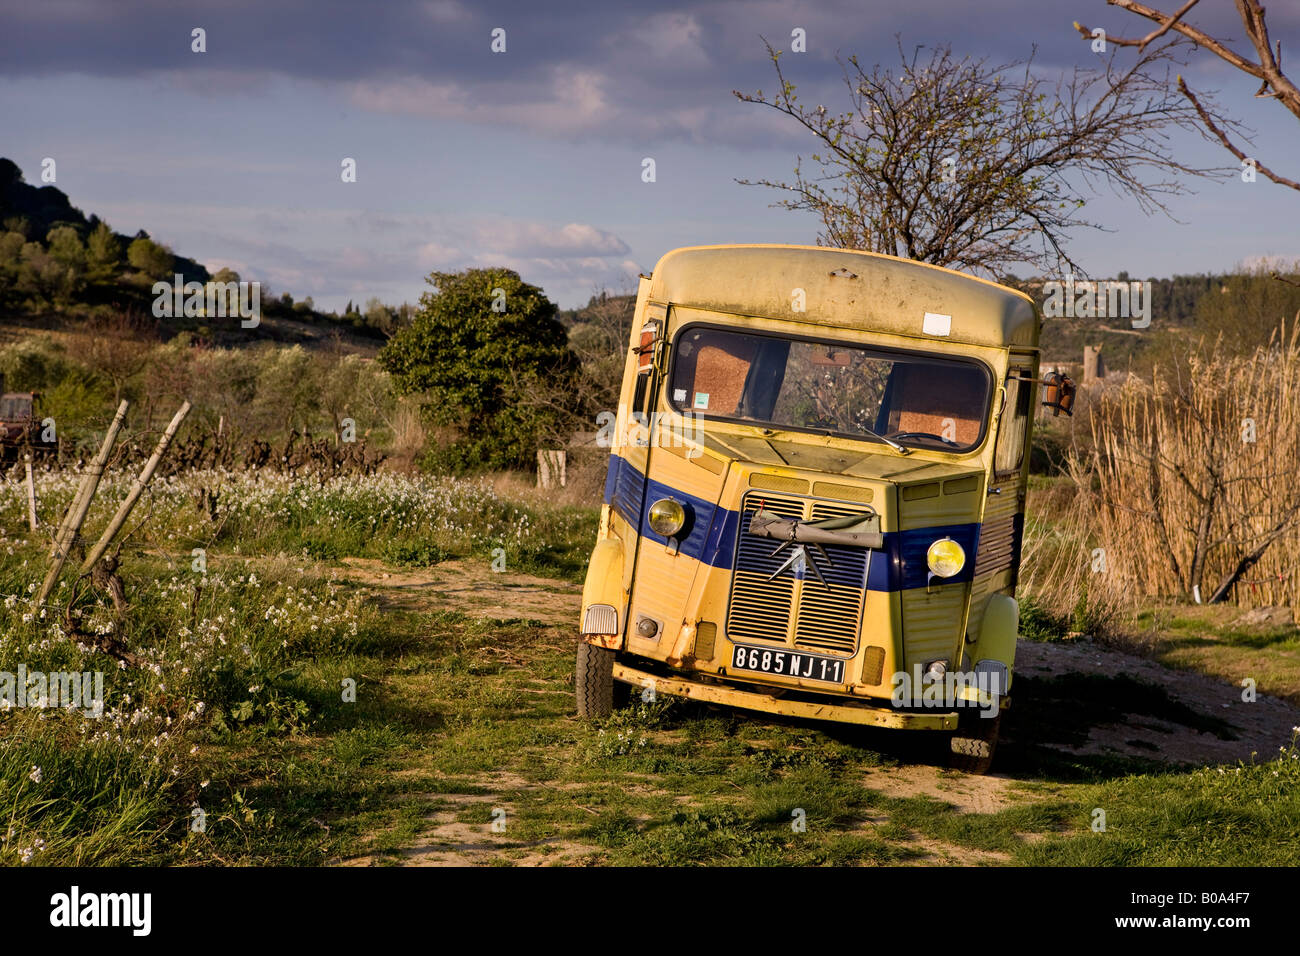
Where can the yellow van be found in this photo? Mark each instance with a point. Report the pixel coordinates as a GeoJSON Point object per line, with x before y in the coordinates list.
{"type": "Point", "coordinates": [816, 491]}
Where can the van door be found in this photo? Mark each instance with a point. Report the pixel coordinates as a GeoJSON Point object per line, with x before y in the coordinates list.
{"type": "Point", "coordinates": [631, 462]}
{"type": "Point", "coordinates": [997, 558]}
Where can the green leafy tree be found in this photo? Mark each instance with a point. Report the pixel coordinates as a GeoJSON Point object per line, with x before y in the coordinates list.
{"type": "Point", "coordinates": [67, 252]}
{"type": "Point", "coordinates": [11, 247]}
{"type": "Point", "coordinates": [150, 258]}
{"type": "Point", "coordinates": [42, 277]}
{"type": "Point", "coordinates": [379, 316]}
{"type": "Point", "coordinates": [103, 255]}
{"type": "Point", "coordinates": [65, 248]}
{"type": "Point", "coordinates": [19, 224]}
{"type": "Point", "coordinates": [502, 378]}
{"type": "Point", "coordinates": [1250, 307]}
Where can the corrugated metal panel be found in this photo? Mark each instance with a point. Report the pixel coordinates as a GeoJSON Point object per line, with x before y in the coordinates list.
{"type": "Point", "coordinates": [996, 546]}
{"type": "Point", "coordinates": [787, 609]}
{"type": "Point", "coordinates": [996, 553]}
{"type": "Point", "coordinates": [761, 609]}
{"type": "Point", "coordinates": [830, 619]}
{"type": "Point", "coordinates": [932, 622]}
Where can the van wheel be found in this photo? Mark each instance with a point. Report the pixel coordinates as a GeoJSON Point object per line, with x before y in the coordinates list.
{"type": "Point", "coordinates": [593, 682]}
{"type": "Point", "coordinates": [972, 745]}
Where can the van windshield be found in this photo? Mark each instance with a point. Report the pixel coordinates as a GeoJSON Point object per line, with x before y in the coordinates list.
{"type": "Point", "coordinates": [909, 398]}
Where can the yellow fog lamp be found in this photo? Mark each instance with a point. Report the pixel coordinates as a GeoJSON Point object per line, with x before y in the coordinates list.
{"type": "Point", "coordinates": [946, 557]}
{"type": "Point", "coordinates": [667, 517]}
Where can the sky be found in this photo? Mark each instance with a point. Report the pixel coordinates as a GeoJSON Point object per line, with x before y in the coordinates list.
{"type": "Point", "coordinates": [532, 158]}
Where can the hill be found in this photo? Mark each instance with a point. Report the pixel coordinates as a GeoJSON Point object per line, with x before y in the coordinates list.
{"type": "Point", "coordinates": [60, 267]}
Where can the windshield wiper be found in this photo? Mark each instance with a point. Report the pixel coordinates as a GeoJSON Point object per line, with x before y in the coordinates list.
{"type": "Point", "coordinates": [832, 433]}
{"type": "Point", "coordinates": [835, 433]}
{"type": "Point", "coordinates": [888, 441]}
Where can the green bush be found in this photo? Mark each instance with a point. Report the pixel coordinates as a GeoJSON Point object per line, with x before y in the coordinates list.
{"type": "Point", "coordinates": [493, 365]}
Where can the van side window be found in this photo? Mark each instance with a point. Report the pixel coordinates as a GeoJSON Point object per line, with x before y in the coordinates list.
{"type": "Point", "coordinates": [639, 398]}
{"type": "Point", "coordinates": [1010, 452]}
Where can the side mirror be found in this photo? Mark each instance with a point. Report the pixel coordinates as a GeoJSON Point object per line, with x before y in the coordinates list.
{"type": "Point", "coordinates": [646, 352]}
{"type": "Point", "coordinates": [1058, 393]}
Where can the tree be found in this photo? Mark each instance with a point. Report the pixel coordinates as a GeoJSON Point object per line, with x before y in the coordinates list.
{"type": "Point", "coordinates": [11, 247]}
{"type": "Point", "coordinates": [599, 336]}
{"type": "Point", "coordinates": [1267, 67]}
{"type": "Point", "coordinates": [152, 260]}
{"type": "Point", "coordinates": [116, 347]}
{"type": "Point", "coordinates": [19, 224]}
{"type": "Point", "coordinates": [379, 316]}
{"type": "Point", "coordinates": [976, 166]}
{"type": "Point", "coordinates": [481, 368]}
{"type": "Point", "coordinates": [1247, 308]}
{"type": "Point", "coordinates": [288, 391]}
{"type": "Point", "coordinates": [103, 254]}
{"type": "Point", "coordinates": [42, 277]}
{"type": "Point", "coordinates": [65, 248]}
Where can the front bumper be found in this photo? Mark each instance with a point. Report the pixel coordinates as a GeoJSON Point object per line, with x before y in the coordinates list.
{"type": "Point", "coordinates": [848, 712]}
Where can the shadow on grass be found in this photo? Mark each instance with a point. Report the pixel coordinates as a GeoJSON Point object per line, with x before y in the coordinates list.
{"type": "Point", "coordinates": [1052, 718]}
{"type": "Point", "coordinates": [1043, 733]}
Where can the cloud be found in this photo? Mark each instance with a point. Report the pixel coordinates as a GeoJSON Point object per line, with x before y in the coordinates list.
{"type": "Point", "coordinates": [675, 39]}
{"type": "Point", "coordinates": [539, 240]}
{"type": "Point", "coordinates": [612, 72]}
{"type": "Point", "coordinates": [572, 100]}
{"type": "Point", "coordinates": [335, 254]}
{"type": "Point", "coordinates": [445, 11]}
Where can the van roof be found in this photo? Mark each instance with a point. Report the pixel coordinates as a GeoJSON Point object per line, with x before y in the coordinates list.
{"type": "Point", "coordinates": [845, 288]}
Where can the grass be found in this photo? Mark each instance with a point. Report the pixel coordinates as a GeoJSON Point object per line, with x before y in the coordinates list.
{"type": "Point", "coordinates": [1209, 639]}
{"type": "Point", "coordinates": [406, 522]}
{"type": "Point", "coordinates": [312, 721]}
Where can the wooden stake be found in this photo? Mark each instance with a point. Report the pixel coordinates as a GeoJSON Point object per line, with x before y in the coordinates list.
{"type": "Point", "coordinates": [137, 489]}
{"type": "Point", "coordinates": [31, 495]}
{"type": "Point", "coordinates": [80, 505]}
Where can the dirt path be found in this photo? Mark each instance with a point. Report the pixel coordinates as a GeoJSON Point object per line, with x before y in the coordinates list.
{"type": "Point", "coordinates": [1238, 729]}
{"type": "Point", "coordinates": [1260, 727]}
{"type": "Point", "coordinates": [471, 588]}
{"type": "Point", "coordinates": [449, 841]}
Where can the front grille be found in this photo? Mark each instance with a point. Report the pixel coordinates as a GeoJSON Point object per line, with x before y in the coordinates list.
{"type": "Point", "coordinates": [786, 610]}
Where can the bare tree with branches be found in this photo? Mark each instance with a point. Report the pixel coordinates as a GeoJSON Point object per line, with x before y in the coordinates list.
{"type": "Point", "coordinates": [1266, 67]}
{"type": "Point", "coordinates": [977, 166]}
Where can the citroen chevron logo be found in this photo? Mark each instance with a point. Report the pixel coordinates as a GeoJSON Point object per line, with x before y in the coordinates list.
{"type": "Point", "coordinates": [801, 562]}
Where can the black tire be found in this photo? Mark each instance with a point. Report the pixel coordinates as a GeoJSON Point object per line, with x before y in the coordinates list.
{"type": "Point", "coordinates": [974, 742]}
{"type": "Point", "coordinates": [593, 681]}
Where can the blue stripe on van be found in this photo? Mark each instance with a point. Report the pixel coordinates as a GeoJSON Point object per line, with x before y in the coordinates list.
{"type": "Point", "coordinates": [899, 565]}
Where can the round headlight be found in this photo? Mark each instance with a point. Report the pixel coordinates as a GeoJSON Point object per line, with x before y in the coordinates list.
{"type": "Point", "coordinates": [945, 557]}
{"type": "Point", "coordinates": [667, 517]}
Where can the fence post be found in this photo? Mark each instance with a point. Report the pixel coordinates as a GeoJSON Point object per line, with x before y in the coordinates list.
{"type": "Point", "coordinates": [80, 505]}
{"type": "Point", "coordinates": [550, 468]}
{"type": "Point", "coordinates": [31, 493]}
{"type": "Point", "coordinates": [1094, 369]}
{"type": "Point", "coordinates": [137, 489]}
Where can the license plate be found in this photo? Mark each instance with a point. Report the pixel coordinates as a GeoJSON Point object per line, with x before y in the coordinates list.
{"type": "Point", "coordinates": [765, 660]}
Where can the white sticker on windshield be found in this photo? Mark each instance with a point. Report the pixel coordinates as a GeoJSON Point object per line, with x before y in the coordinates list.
{"type": "Point", "coordinates": [679, 395]}
{"type": "Point", "coordinates": [701, 399]}
{"type": "Point", "coordinates": [936, 323]}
